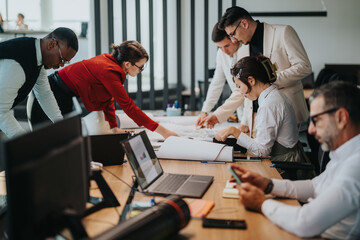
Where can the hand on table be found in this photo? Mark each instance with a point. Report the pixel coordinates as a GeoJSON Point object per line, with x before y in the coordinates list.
{"type": "Point", "coordinates": [200, 121]}
{"type": "Point", "coordinates": [243, 128]}
{"type": "Point", "coordinates": [210, 121]}
{"type": "Point", "coordinates": [222, 134]}
{"type": "Point", "coordinates": [165, 132]}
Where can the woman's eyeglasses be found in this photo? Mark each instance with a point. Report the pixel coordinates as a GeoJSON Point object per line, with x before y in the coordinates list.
{"type": "Point", "coordinates": [140, 68]}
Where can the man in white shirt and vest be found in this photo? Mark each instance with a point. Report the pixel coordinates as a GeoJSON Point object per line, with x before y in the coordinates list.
{"type": "Point", "coordinates": [332, 199]}
{"type": "Point", "coordinates": [22, 69]}
{"type": "Point", "coordinates": [226, 57]}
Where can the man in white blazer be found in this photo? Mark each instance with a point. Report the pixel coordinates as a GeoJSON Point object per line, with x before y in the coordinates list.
{"type": "Point", "coordinates": [282, 45]}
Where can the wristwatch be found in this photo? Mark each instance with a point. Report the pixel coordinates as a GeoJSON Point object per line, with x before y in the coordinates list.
{"type": "Point", "coordinates": [269, 187]}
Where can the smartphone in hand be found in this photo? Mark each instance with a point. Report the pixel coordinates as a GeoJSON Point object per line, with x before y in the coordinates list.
{"type": "Point", "coordinates": [234, 175]}
{"type": "Point", "coordinates": [223, 223]}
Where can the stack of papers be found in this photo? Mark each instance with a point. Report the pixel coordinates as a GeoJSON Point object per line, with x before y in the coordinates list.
{"type": "Point", "coordinates": [230, 190]}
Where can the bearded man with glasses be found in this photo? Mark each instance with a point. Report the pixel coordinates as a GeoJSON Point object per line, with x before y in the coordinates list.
{"type": "Point", "coordinates": [23, 64]}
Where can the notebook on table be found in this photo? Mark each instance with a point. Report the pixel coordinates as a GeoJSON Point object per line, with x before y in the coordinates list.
{"type": "Point", "coordinates": [151, 177]}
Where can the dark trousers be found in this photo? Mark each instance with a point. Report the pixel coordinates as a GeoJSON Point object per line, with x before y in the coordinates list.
{"type": "Point", "coordinates": [63, 97]}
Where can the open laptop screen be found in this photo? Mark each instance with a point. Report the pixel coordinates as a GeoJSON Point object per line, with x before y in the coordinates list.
{"type": "Point", "coordinates": [143, 160]}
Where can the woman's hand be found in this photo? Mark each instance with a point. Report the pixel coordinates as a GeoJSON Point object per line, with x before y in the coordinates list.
{"type": "Point", "coordinates": [222, 134]}
{"type": "Point", "coordinates": [165, 132]}
{"type": "Point", "coordinates": [243, 128]}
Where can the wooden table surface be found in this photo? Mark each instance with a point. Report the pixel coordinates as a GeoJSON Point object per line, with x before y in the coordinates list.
{"type": "Point", "coordinates": [258, 226]}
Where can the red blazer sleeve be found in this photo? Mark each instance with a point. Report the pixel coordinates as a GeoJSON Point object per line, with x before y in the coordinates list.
{"type": "Point", "coordinates": [109, 113]}
{"type": "Point", "coordinates": [117, 90]}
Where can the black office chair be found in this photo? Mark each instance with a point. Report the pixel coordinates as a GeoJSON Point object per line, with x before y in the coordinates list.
{"type": "Point", "coordinates": [291, 169]}
{"type": "Point", "coordinates": [308, 82]}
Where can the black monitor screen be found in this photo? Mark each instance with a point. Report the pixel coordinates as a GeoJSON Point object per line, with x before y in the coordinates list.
{"type": "Point", "coordinates": [46, 174]}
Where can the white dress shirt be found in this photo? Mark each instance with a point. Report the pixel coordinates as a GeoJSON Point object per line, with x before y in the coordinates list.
{"type": "Point", "coordinates": [12, 78]}
{"type": "Point", "coordinates": [275, 121]}
{"type": "Point", "coordinates": [222, 73]}
{"type": "Point", "coordinates": [333, 208]}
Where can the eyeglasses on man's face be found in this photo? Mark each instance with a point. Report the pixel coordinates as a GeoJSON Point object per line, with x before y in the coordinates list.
{"type": "Point", "coordinates": [232, 35]}
{"type": "Point", "coordinates": [62, 60]}
{"type": "Point", "coordinates": [313, 118]}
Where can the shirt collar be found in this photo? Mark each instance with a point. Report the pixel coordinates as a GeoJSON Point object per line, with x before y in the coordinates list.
{"type": "Point", "coordinates": [265, 93]}
{"type": "Point", "coordinates": [258, 36]}
{"type": "Point", "coordinates": [38, 52]}
{"type": "Point", "coordinates": [345, 150]}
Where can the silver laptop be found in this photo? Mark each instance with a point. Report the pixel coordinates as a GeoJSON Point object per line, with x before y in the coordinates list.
{"type": "Point", "coordinates": [151, 177]}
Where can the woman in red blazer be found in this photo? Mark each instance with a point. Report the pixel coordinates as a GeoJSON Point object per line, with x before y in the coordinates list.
{"type": "Point", "coordinates": [99, 83]}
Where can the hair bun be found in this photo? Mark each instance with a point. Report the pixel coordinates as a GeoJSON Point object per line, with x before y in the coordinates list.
{"type": "Point", "coordinates": [115, 47]}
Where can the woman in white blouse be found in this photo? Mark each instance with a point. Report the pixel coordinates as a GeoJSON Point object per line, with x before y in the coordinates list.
{"type": "Point", "coordinates": [277, 133]}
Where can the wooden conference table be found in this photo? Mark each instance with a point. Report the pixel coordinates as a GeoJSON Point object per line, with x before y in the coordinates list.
{"type": "Point", "coordinates": [258, 226]}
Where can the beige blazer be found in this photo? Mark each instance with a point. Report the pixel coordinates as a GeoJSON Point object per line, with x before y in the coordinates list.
{"type": "Point", "coordinates": [283, 46]}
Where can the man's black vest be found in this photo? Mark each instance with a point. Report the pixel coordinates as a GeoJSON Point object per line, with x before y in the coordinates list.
{"type": "Point", "coordinates": [23, 51]}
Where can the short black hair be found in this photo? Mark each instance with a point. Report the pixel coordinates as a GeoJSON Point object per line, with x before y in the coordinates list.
{"type": "Point", "coordinates": [341, 94]}
{"type": "Point", "coordinates": [233, 14]}
{"type": "Point", "coordinates": [65, 35]}
{"type": "Point", "coordinates": [218, 34]}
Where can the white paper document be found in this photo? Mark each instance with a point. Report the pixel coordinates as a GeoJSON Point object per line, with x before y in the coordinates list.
{"type": "Point", "coordinates": [96, 124]}
{"type": "Point", "coordinates": [191, 149]}
{"type": "Point", "coordinates": [126, 121]}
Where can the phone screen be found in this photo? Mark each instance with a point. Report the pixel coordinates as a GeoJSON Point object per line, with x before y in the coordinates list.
{"type": "Point", "coordinates": [223, 223]}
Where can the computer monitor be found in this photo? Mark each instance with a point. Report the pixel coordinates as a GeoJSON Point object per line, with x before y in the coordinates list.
{"type": "Point", "coordinates": [46, 175]}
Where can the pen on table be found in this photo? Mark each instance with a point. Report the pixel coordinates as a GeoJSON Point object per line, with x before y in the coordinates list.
{"type": "Point", "coordinates": [212, 162]}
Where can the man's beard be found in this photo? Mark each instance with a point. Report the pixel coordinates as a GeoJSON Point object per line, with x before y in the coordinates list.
{"type": "Point", "coordinates": [328, 139]}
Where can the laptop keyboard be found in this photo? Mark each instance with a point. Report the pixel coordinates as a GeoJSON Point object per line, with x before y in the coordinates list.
{"type": "Point", "coordinates": [171, 183]}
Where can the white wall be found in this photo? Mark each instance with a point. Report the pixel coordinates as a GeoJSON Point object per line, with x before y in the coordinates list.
{"type": "Point", "coordinates": [331, 39]}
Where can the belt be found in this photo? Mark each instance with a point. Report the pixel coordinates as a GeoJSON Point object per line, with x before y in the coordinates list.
{"type": "Point", "coordinates": [57, 79]}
